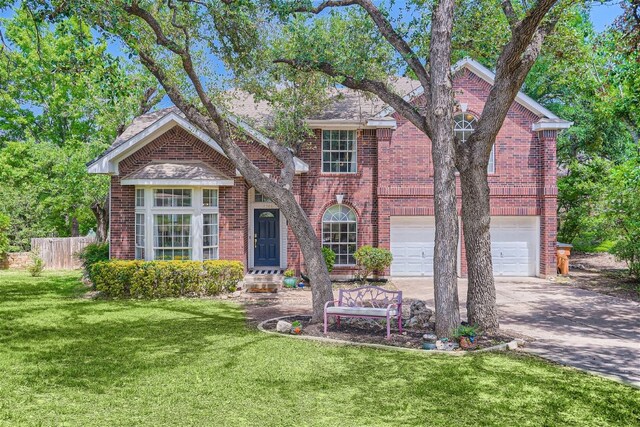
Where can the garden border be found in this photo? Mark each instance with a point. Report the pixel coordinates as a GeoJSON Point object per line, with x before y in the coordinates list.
{"type": "Point", "coordinates": [500, 347]}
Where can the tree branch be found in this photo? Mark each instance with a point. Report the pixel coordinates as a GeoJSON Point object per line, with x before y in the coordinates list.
{"type": "Point", "coordinates": [284, 156]}
{"type": "Point", "coordinates": [405, 108]}
{"type": "Point", "coordinates": [387, 31]}
{"type": "Point", "coordinates": [509, 13]}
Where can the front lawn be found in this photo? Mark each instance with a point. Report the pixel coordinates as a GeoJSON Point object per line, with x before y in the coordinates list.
{"type": "Point", "coordinates": [73, 361]}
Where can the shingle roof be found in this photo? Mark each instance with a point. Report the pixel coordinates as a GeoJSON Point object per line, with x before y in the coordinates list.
{"type": "Point", "coordinates": [347, 105]}
{"type": "Point", "coordinates": [192, 170]}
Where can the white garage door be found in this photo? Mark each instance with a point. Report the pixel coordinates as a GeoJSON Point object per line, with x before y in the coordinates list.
{"type": "Point", "coordinates": [515, 245]}
{"type": "Point", "coordinates": [412, 244]}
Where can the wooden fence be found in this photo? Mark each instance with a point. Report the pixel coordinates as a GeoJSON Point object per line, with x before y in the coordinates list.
{"type": "Point", "coordinates": [60, 252]}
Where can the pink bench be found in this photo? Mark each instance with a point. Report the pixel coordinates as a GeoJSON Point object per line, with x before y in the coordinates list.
{"type": "Point", "coordinates": [366, 302]}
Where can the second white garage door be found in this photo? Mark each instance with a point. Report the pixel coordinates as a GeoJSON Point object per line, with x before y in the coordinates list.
{"type": "Point", "coordinates": [515, 245]}
{"type": "Point", "coordinates": [412, 244]}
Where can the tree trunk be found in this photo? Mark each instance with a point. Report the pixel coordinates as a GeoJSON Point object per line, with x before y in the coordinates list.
{"type": "Point", "coordinates": [443, 153]}
{"type": "Point", "coordinates": [297, 219]}
{"type": "Point", "coordinates": [481, 294]}
{"type": "Point", "coordinates": [75, 227]}
{"type": "Point", "coordinates": [101, 212]}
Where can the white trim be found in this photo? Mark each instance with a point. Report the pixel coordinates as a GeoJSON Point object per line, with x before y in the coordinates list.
{"type": "Point", "coordinates": [196, 210]}
{"type": "Point", "coordinates": [550, 125]}
{"type": "Point", "coordinates": [108, 164]}
{"type": "Point", "coordinates": [251, 207]}
{"type": "Point", "coordinates": [487, 75]}
{"type": "Point", "coordinates": [343, 124]}
{"type": "Point", "coordinates": [158, 182]}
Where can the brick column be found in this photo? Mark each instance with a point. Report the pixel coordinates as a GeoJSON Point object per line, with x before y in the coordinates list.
{"type": "Point", "coordinates": [383, 235]}
{"type": "Point", "coordinates": [548, 203]}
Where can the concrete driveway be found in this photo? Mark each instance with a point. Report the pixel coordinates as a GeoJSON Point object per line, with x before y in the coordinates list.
{"type": "Point", "coordinates": [575, 327]}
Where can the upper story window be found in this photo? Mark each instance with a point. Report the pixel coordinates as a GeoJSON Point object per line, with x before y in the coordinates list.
{"type": "Point", "coordinates": [340, 233]}
{"type": "Point", "coordinates": [339, 152]}
{"type": "Point", "coordinates": [464, 125]}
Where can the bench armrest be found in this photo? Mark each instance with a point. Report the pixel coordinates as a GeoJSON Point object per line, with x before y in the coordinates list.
{"type": "Point", "coordinates": [394, 305]}
{"type": "Point", "coordinates": [334, 302]}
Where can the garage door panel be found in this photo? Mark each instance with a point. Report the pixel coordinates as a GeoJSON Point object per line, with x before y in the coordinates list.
{"type": "Point", "coordinates": [514, 245]}
{"type": "Point", "coordinates": [412, 241]}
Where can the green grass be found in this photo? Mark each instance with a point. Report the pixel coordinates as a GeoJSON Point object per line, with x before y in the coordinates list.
{"type": "Point", "coordinates": [593, 247]}
{"type": "Point", "coordinates": [65, 360]}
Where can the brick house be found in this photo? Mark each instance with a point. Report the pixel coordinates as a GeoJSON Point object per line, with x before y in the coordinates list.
{"type": "Point", "coordinates": [366, 178]}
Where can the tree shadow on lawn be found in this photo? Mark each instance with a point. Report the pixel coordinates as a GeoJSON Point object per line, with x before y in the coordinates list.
{"type": "Point", "coordinates": [98, 346]}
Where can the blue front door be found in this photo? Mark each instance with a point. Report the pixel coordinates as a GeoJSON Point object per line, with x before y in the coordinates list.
{"type": "Point", "coordinates": [266, 239]}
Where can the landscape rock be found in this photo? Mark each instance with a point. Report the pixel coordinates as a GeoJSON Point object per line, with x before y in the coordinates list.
{"type": "Point", "coordinates": [419, 315]}
{"type": "Point", "coordinates": [430, 337]}
{"type": "Point", "coordinates": [283, 327]}
{"type": "Point", "coordinates": [512, 345]}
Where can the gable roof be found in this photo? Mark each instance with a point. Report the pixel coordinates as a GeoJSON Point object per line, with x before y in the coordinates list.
{"type": "Point", "coordinates": [349, 108]}
{"type": "Point", "coordinates": [548, 120]}
{"type": "Point", "coordinates": [145, 128]}
{"type": "Point", "coordinates": [178, 173]}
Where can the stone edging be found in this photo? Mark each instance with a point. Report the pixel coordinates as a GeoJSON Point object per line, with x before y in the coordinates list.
{"type": "Point", "coordinates": [500, 347]}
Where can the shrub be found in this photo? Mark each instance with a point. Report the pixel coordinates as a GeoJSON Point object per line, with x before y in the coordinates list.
{"type": "Point", "coordinates": [466, 331]}
{"type": "Point", "coordinates": [329, 258]}
{"type": "Point", "coordinates": [37, 264]}
{"type": "Point", "coordinates": [161, 279]}
{"type": "Point", "coordinates": [371, 260]}
{"type": "Point", "coordinates": [628, 250]}
{"type": "Point", "coordinates": [90, 254]}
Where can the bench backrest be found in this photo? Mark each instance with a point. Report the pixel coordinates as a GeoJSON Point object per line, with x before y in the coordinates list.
{"type": "Point", "coordinates": [369, 296]}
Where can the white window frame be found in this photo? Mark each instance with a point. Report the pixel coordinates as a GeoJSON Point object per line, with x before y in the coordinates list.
{"type": "Point", "coordinates": [354, 152]}
{"type": "Point", "coordinates": [196, 210]}
{"type": "Point", "coordinates": [330, 244]}
{"type": "Point", "coordinates": [468, 125]}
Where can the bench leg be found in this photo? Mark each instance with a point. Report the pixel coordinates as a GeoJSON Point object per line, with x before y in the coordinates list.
{"type": "Point", "coordinates": [325, 323]}
{"type": "Point", "coordinates": [388, 327]}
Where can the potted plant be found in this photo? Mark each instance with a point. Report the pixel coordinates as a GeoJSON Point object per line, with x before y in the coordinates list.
{"type": "Point", "coordinates": [466, 335]}
{"type": "Point", "coordinates": [290, 279]}
{"type": "Point", "coordinates": [296, 327]}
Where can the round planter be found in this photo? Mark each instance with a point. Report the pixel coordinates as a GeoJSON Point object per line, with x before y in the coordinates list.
{"type": "Point", "coordinates": [290, 282]}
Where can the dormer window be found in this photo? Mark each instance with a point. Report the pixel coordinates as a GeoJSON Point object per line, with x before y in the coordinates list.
{"type": "Point", "coordinates": [464, 126]}
{"type": "Point", "coordinates": [339, 153]}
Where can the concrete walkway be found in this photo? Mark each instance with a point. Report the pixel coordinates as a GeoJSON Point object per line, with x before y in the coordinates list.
{"type": "Point", "coordinates": [575, 327]}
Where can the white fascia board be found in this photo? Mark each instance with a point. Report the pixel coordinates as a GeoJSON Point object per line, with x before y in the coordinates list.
{"type": "Point", "coordinates": [179, 182]}
{"type": "Point", "coordinates": [340, 124]}
{"type": "Point", "coordinates": [542, 125]}
{"type": "Point", "coordinates": [109, 163]}
{"type": "Point", "coordinates": [487, 75]}
{"type": "Point", "coordinates": [300, 166]}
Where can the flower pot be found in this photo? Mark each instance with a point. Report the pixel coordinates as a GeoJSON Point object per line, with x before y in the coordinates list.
{"type": "Point", "coordinates": [290, 282]}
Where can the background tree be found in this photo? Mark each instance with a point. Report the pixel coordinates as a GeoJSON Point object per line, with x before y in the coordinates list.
{"type": "Point", "coordinates": [63, 98]}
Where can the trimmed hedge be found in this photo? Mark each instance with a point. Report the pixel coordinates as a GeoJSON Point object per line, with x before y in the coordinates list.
{"type": "Point", "coordinates": [162, 279]}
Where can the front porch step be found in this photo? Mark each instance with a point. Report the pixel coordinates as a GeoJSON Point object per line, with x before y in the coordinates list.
{"type": "Point", "coordinates": [263, 280]}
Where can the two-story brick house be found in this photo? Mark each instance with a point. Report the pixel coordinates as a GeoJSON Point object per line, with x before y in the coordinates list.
{"type": "Point", "coordinates": [366, 178]}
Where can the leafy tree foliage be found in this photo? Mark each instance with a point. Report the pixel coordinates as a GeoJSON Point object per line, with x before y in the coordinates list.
{"type": "Point", "coordinates": [63, 99]}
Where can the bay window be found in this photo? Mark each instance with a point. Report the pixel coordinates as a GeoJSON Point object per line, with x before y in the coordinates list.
{"type": "Point", "coordinates": [176, 223]}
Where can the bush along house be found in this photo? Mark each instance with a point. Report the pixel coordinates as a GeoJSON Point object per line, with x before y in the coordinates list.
{"type": "Point", "coordinates": [365, 179]}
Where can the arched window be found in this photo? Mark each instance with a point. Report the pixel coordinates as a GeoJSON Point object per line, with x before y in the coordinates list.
{"type": "Point", "coordinates": [339, 233]}
{"type": "Point", "coordinates": [464, 125]}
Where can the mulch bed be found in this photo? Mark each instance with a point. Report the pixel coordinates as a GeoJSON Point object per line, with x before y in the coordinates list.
{"type": "Point", "coordinates": [374, 332]}
{"type": "Point", "coordinates": [601, 273]}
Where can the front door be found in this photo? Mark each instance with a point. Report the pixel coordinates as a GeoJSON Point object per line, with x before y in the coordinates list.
{"type": "Point", "coordinates": [266, 239]}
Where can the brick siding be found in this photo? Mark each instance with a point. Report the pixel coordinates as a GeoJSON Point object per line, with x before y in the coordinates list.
{"type": "Point", "coordinates": [394, 177]}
